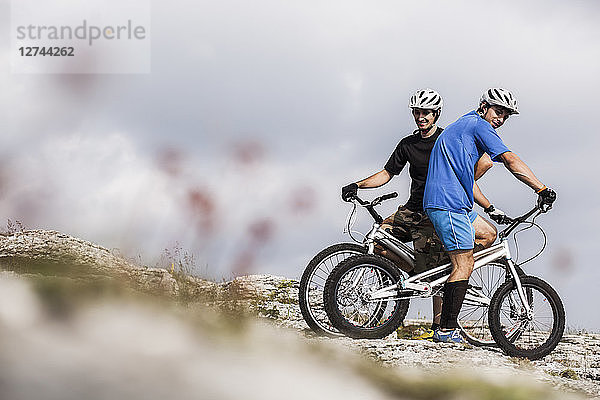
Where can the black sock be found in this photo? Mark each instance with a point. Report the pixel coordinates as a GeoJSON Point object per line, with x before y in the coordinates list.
{"type": "Point", "coordinates": [435, 326]}
{"type": "Point", "coordinates": [454, 295]}
{"type": "Point", "coordinates": [446, 302]}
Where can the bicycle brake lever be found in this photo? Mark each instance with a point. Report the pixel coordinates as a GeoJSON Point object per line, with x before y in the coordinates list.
{"type": "Point", "coordinates": [355, 199]}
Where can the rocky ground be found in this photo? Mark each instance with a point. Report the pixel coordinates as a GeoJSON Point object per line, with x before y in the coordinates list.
{"type": "Point", "coordinates": [573, 366]}
{"type": "Point", "coordinates": [572, 369]}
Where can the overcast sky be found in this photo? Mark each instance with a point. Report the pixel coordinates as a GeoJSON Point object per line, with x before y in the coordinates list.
{"type": "Point", "coordinates": [235, 146]}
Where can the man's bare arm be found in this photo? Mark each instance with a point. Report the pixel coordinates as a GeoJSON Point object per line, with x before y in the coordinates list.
{"type": "Point", "coordinates": [479, 197]}
{"type": "Point", "coordinates": [379, 179]}
{"type": "Point", "coordinates": [483, 165]}
{"type": "Point", "coordinates": [521, 171]}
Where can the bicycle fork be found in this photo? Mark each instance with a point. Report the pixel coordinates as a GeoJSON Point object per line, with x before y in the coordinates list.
{"type": "Point", "coordinates": [517, 280]}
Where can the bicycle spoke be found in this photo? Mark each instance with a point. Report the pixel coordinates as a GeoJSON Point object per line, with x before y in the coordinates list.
{"type": "Point", "coordinates": [473, 317]}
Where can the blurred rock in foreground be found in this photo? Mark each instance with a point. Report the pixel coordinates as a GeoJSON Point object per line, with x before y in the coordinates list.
{"type": "Point", "coordinates": [77, 321]}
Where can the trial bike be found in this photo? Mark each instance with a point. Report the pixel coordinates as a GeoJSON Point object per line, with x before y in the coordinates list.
{"type": "Point", "coordinates": [473, 317]}
{"type": "Point", "coordinates": [366, 296]}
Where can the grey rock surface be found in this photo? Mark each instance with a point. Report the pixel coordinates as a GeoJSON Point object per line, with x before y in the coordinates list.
{"type": "Point", "coordinates": [573, 366]}
{"type": "Point", "coordinates": [58, 248]}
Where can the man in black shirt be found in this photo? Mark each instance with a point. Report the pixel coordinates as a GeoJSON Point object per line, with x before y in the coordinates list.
{"type": "Point", "coordinates": [426, 106]}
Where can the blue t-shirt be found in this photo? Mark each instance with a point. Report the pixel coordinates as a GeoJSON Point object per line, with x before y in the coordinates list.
{"type": "Point", "coordinates": [452, 162]}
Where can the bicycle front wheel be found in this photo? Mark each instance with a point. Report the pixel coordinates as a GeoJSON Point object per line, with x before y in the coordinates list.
{"type": "Point", "coordinates": [532, 335]}
{"type": "Point", "coordinates": [312, 284]}
{"type": "Point", "coordinates": [473, 316]}
{"type": "Point", "coordinates": [348, 303]}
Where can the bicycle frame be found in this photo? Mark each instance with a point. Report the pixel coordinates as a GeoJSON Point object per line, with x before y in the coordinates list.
{"type": "Point", "coordinates": [421, 283]}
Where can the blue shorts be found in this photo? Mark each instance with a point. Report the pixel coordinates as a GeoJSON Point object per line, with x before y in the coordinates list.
{"type": "Point", "coordinates": [455, 229]}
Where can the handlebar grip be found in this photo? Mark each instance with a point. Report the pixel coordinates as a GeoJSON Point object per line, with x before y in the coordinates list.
{"type": "Point", "coordinates": [551, 198]}
{"type": "Point", "coordinates": [546, 196]}
{"type": "Point", "coordinates": [389, 196]}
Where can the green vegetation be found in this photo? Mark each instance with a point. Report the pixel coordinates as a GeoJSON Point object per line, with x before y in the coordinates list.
{"type": "Point", "coordinates": [523, 363]}
{"type": "Point", "coordinates": [566, 373]}
{"type": "Point", "coordinates": [412, 331]}
{"type": "Point", "coordinates": [446, 386]}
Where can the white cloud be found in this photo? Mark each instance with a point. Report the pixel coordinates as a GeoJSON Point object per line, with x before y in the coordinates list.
{"type": "Point", "coordinates": [105, 188]}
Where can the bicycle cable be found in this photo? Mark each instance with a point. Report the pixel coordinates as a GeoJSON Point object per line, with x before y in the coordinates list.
{"type": "Point", "coordinates": [531, 225]}
{"type": "Point", "coordinates": [350, 221]}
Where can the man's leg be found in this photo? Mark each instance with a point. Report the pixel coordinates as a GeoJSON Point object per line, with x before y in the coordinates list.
{"type": "Point", "coordinates": [456, 287]}
{"type": "Point", "coordinates": [485, 233]}
{"type": "Point", "coordinates": [458, 234]}
{"type": "Point", "coordinates": [401, 218]}
{"type": "Point", "coordinates": [400, 262]}
{"type": "Point", "coordinates": [429, 253]}
{"type": "Point", "coordinates": [462, 267]}
{"type": "Point", "coordinates": [437, 312]}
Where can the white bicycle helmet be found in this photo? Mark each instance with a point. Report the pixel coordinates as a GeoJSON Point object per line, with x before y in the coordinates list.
{"type": "Point", "coordinates": [427, 99]}
{"type": "Point", "coordinates": [500, 97]}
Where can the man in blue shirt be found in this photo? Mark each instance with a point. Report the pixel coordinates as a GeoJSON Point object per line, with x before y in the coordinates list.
{"type": "Point", "coordinates": [449, 189]}
{"type": "Point", "coordinates": [414, 150]}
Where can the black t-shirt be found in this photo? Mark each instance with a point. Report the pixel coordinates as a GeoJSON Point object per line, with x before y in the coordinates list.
{"type": "Point", "coordinates": [415, 150]}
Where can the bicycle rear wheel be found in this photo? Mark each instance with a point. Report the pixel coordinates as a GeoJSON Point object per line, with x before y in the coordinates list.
{"type": "Point", "coordinates": [473, 316]}
{"type": "Point", "coordinates": [312, 284]}
{"type": "Point", "coordinates": [532, 336]}
{"type": "Point", "coordinates": [348, 303]}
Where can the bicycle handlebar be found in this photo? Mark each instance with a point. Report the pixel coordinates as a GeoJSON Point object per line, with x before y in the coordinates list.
{"type": "Point", "coordinates": [376, 201]}
{"type": "Point", "coordinates": [370, 205]}
{"type": "Point", "coordinates": [540, 208]}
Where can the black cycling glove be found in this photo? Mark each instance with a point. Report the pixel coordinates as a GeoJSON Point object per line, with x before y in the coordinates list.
{"type": "Point", "coordinates": [546, 196]}
{"type": "Point", "coordinates": [349, 191]}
